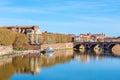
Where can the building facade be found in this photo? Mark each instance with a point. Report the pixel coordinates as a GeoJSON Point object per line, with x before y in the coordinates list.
{"type": "Point", "coordinates": [35, 37]}
{"type": "Point", "coordinates": [33, 32]}
{"type": "Point", "coordinates": [112, 39]}
{"type": "Point", "coordinates": [73, 37]}
{"type": "Point", "coordinates": [92, 37]}
{"type": "Point", "coordinates": [85, 37]}
{"type": "Point", "coordinates": [22, 29]}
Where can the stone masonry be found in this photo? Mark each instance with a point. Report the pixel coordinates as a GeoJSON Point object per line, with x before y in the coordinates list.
{"type": "Point", "coordinates": [57, 46]}
{"type": "Point", "coordinates": [5, 50]}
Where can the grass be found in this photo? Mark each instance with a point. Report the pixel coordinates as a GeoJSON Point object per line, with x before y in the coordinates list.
{"type": "Point", "coordinates": [6, 55]}
{"type": "Point", "coordinates": [11, 54]}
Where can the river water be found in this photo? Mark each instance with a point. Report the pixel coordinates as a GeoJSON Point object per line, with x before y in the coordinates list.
{"type": "Point", "coordinates": [62, 65]}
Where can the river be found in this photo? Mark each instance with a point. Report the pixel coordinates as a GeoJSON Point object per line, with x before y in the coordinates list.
{"type": "Point", "coordinates": [62, 65]}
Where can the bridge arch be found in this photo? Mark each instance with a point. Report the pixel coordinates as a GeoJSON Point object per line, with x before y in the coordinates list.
{"type": "Point", "coordinates": [96, 48]}
{"type": "Point", "coordinates": [111, 45]}
{"type": "Point", "coordinates": [82, 48]}
{"type": "Point", "coordinates": [93, 45]}
{"type": "Point", "coordinates": [76, 46]}
{"type": "Point", "coordinates": [116, 50]}
{"type": "Point", "coordinates": [79, 46]}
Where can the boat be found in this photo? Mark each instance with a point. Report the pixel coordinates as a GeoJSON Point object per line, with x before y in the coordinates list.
{"type": "Point", "coordinates": [48, 51]}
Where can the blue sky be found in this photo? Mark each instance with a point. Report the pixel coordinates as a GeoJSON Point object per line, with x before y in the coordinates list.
{"type": "Point", "coordinates": [64, 16]}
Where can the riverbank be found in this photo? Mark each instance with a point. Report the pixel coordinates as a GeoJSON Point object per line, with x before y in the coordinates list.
{"type": "Point", "coordinates": [13, 52]}
{"type": "Point", "coordinates": [4, 50]}
{"type": "Point", "coordinates": [58, 46]}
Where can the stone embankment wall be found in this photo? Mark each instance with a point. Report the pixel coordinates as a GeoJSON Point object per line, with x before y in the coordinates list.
{"type": "Point", "coordinates": [37, 48]}
{"type": "Point", "coordinates": [5, 50]}
{"type": "Point", "coordinates": [57, 46]}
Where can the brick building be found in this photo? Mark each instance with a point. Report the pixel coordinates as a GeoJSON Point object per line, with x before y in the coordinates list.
{"type": "Point", "coordinates": [112, 39]}
{"type": "Point", "coordinates": [73, 37]}
{"type": "Point", "coordinates": [85, 37]}
{"type": "Point", "coordinates": [33, 32]}
{"type": "Point", "coordinates": [92, 37]}
{"type": "Point", "coordinates": [22, 29]}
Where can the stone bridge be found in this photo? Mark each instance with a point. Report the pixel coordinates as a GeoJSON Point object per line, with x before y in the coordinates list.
{"type": "Point", "coordinates": [95, 45]}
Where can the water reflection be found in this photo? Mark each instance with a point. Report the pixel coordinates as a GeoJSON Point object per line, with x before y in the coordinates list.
{"type": "Point", "coordinates": [6, 71]}
{"type": "Point", "coordinates": [97, 52]}
{"type": "Point", "coordinates": [87, 57]}
{"type": "Point", "coordinates": [34, 63]}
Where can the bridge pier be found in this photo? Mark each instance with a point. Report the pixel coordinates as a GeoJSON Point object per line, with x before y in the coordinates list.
{"type": "Point", "coordinates": [82, 48]}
